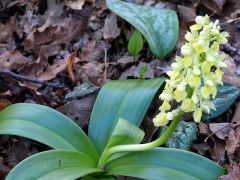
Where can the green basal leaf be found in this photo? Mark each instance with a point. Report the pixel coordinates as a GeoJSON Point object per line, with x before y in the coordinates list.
{"type": "Point", "coordinates": [98, 178]}
{"type": "Point", "coordinates": [183, 136]}
{"type": "Point", "coordinates": [158, 26]}
{"type": "Point", "coordinates": [135, 43]}
{"type": "Point", "coordinates": [47, 126]}
{"type": "Point", "coordinates": [128, 99]}
{"type": "Point", "coordinates": [165, 163]}
{"type": "Point", "coordinates": [226, 96]}
{"type": "Point", "coordinates": [55, 164]}
{"type": "Point", "coordinates": [125, 133]}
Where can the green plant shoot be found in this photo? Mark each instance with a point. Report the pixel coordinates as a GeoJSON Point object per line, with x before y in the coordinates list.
{"type": "Point", "coordinates": [135, 43]}
{"type": "Point", "coordinates": [143, 70]}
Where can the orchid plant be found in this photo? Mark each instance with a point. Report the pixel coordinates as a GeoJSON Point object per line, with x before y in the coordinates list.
{"type": "Point", "coordinates": [112, 148]}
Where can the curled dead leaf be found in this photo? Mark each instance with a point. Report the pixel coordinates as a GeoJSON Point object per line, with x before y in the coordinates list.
{"type": "Point", "coordinates": [4, 103]}
{"type": "Point", "coordinates": [70, 62]}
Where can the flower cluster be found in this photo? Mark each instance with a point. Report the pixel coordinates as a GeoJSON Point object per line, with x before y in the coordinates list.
{"type": "Point", "coordinates": [195, 76]}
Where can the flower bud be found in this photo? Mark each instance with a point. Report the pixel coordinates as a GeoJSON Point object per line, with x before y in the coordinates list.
{"type": "Point", "coordinates": [197, 115]}
{"type": "Point", "coordinates": [165, 106]}
{"type": "Point", "coordinates": [200, 20]}
{"type": "Point", "coordinates": [170, 116]}
{"type": "Point", "coordinates": [186, 50]}
{"type": "Point", "coordinates": [188, 105]}
{"type": "Point", "coordinates": [160, 120]}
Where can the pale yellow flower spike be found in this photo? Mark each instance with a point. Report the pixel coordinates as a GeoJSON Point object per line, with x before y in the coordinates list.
{"type": "Point", "coordinates": [199, 69]}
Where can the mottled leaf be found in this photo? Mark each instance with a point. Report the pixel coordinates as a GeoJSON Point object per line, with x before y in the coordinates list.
{"type": "Point", "coordinates": [226, 96]}
{"type": "Point", "coordinates": [183, 136]}
{"type": "Point", "coordinates": [158, 26]}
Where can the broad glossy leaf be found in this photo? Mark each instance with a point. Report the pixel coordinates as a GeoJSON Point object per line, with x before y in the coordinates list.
{"type": "Point", "coordinates": [226, 96]}
{"type": "Point", "coordinates": [165, 163]}
{"type": "Point", "coordinates": [89, 177]}
{"type": "Point", "coordinates": [125, 133]}
{"type": "Point", "coordinates": [158, 26]}
{"type": "Point", "coordinates": [128, 99]}
{"type": "Point", "coordinates": [54, 165]}
{"type": "Point", "coordinates": [135, 43]}
{"type": "Point", "coordinates": [45, 125]}
{"type": "Point", "coordinates": [183, 136]}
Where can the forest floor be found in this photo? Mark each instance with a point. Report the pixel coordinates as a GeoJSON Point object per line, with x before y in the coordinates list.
{"type": "Point", "coordinates": [39, 37]}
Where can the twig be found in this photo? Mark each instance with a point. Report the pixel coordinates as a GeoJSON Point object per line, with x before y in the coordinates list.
{"type": "Point", "coordinates": [25, 78]}
{"type": "Point", "coordinates": [230, 21]}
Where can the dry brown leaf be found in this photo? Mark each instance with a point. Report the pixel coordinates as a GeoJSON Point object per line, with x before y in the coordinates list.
{"type": "Point", "coordinates": [79, 110]}
{"type": "Point", "coordinates": [110, 29]}
{"type": "Point", "coordinates": [92, 52]}
{"type": "Point", "coordinates": [76, 5]}
{"type": "Point", "coordinates": [214, 5]}
{"type": "Point", "coordinates": [4, 170]}
{"type": "Point", "coordinates": [14, 60]}
{"type": "Point", "coordinates": [6, 35]}
{"type": "Point", "coordinates": [201, 148]}
{"type": "Point", "coordinates": [233, 141]}
{"type": "Point", "coordinates": [218, 151]}
{"type": "Point", "coordinates": [233, 172]}
{"type": "Point", "coordinates": [126, 60]}
{"type": "Point", "coordinates": [234, 80]}
{"type": "Point", "coordinates": [187, 14]}
{"type": "Point", "coordinates": [236, 116]}
{"type": "Point", "coordinates": [61, 32]}
{"type": "Point", "coordinates": [204, 129]}
{"type": "Point", "coordinates": [50, 73]}
{"type": "Point", "coordinates": [221, 130]}
{"type": "Point", "coordinates": [4, 103]}
{"type": "Point", "coordinates": [231, 69]}
{"type": "Point", "coordinates": [70, 62]}
{"type": "Point", "coordinates": [91, 73]}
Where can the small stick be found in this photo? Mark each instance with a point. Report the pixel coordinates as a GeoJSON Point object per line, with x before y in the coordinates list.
{"type": "Point", "coordinates": [230, 21]}
{"type": "Point", "coordinates": [22, 77]}
{"type": "Point", "coordinates": [228, 125]}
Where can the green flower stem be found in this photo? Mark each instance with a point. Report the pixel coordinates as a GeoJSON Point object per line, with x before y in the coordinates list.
{"type": "Point", "coordinates": [141, 147]}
